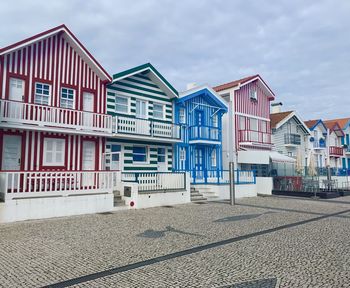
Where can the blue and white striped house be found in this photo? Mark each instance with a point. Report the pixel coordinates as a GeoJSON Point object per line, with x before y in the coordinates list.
{"type": "Point", "coordinates": [199, 112]}
{"type": "Point", "coordinates": [141, 102]}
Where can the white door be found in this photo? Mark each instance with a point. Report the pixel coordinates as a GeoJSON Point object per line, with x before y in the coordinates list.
{"type": "Point", "coordinates": [11, 157]}
{"type": "Point", "coordinates": [162, 160]}
{"type": "Point", "coordinates": [141, 110]}
{"type": "Point", "coordinates": [16, 93]}
{"type": "Point", "coordinates": [89, 178]}
{"type": "Point", "coordinates": [88, 106]}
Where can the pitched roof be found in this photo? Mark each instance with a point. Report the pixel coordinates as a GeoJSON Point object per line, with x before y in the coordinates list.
{"type": "Point", "coordinates": [71, 37]}
{"type": "Point", "coordinates": [208, 92]}
{"type": "Point", "coordinates": [343, 122]}
{"type": "Point", "coordinates": [147, 67]}
{"type": "Point", "coordinates": [311, 123]}
{"type": "Point", "coordinates": [275, 118]}
{"type": "Point", "coordinates": [244, 81]}
{"type": "Point", "coordinates": [334, 126]}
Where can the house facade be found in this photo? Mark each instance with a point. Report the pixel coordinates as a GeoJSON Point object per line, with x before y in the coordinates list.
{"type": "Point", "coordinates": [53, 119]}
{"type": "Point", "coordinates": [335, 147]}
{"type": "Point", "coordinates": [290, 135]}
{"type": "Point", "coordinates": [318, 141]}
{"type": "Point", "coordinates": [141, 102]}
{"type": "Point", "coordinates": [199, 112]}
{"type": "Point", "coordinates": [247, 136]}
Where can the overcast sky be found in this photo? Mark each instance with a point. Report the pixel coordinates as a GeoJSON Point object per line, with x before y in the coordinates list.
{"type": "Point", "coordinates": [301, 48]}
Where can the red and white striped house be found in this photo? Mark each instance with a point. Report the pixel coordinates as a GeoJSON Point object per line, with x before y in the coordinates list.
{"type": "Point", "coordinates": [53, 119]}
{"type": "Point", "coordinates": [248, 138]}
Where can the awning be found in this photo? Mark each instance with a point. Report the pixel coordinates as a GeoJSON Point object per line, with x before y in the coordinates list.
{"type": "Point", "coordinates": [262, 157]}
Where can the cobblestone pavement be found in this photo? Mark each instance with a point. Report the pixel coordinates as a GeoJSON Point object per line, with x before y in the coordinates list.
{"type": "Point", "coordinates": [261, 242]}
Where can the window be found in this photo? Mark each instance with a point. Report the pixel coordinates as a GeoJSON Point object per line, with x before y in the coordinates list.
{"type": "Point", "coordinates": [67, 98]}
{"type": "Point", "coordinates": [54, 151]}
{"type": "Point", "coordinates": [242, 123]}
{"type": "Point", "coordinates": [253, 124]}
{"type": "Point", "coordinates": [141, 109]}
{"type": "Point", "coordinates": [16, 89]}
{"type": "Point", "coordinates": [115, 150]}
{"type": "Point", "coordinates": [42, 93]}
{"type": "Point", "coordinates": [213, 158]}
{"type": "Point", "coordinates": [253, 94]}
{"type": "Point", "coordinates": [139, 154]}
{"type": "Point", "coordinates": [161, 154]}
{"type": "Point", "coordinates": [158, 111]}
{"type": "Point", "coordinates": [121, 104]}
{"type": "Point", "coordinates": [263, 126]}
{"type": "Point", "coordinates": [182, 116]}
{"type": "Point", "coordinates": [215, 121]}
{"type": "Point", "coordinates": [182, 154]}
{"type": "Point", "coordinates": [290, 154]}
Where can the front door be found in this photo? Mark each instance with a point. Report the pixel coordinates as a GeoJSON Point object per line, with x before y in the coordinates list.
{"type": "Point", "coordinates": [88, 106]}
{"type": "Point", "coordinates": [11, 157]}
{"type": "Point", "coordinates": [199, 163]}
{"type": "Point", "coordinates": [88, 162]}
{"type": "Point", "coordinates": [199, 123]}
{"type": "Point", "coordinates": [162, 160]}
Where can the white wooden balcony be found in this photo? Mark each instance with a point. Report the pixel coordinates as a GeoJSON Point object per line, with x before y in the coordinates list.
{"type": "Point", "coordinates": [129, 127]}
{"type": "Point", "coordinates": [28, 184]}
{"type": "Point", "coordinates": [254, 138]}
{"type": "Point", "coordinates": [14, 114]}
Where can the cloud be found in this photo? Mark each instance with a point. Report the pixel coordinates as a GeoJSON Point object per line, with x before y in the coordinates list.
{"type": "Point", "coordinates": [301, 48]}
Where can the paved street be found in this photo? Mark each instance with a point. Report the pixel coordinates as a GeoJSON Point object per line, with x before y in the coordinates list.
{"type": "Point", "coordinates": [261, 242]}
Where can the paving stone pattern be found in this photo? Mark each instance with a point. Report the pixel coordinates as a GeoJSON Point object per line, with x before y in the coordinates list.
{"type": "Point", "coordinates": [312, 252]}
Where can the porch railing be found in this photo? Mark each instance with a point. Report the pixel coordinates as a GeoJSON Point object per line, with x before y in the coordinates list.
{"type": "Point", "coordinates": [204, 133]}
{"type": "Point", "coordinates": [336, 151]}
{"type": "Point", "coordinates": [145, 127]}
{"type": "Point", "coordinates": [20, 184]}
{"type": "Point", "coordinates": [254, 136]}
{"type": "Point", "coordinates": [42, 115]}
{"type": "Point", "coordinates": [157, 181]}
{"type": "Point", "coordinates": [294, 139]}
{"type": "Point", "coordinates": [222, 177]}
{"type": "Point", "coordinates": [319, 144]}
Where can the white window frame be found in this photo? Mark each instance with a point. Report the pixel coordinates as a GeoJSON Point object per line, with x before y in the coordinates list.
{"type": "Point", "coordinates": [146, 153]}
{"type": "Point", "coordinates": [242, 120]}
{"type": "Point", "coordinates": [146, 109]}
{"type": "Point", "coordinates": [54, 152]}
{"type": "Point", "coordinates": [213, 158]}
{"type": "Point", "coordinates": [127, 105]}
{"type": "Point", "coordinates": [253, 120]}
{"type": "Point", "coordinates": [163, 110]}
{"type": "Point", "coordinates": [14, 82]}
{"type": "Point", "coordinates": [182, 115]}
{"type": "Point", "coordinates": [253, 94]}
{"type": "Point", "coordinates": [68, 100]}
{"type": "Point", "coordinates": [263, 125]}
{"type": "Point", "coordinates": [42, 95]}
{"type": "Point", "coordinates": [162, 155]}
{"type": "Point", "coordinates": [215, 120]}
{"type": "Point", "coordinates": [182, 155]}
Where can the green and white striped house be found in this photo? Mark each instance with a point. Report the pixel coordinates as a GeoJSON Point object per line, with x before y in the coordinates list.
{"type": "Point", "coordinates": [141, 102]}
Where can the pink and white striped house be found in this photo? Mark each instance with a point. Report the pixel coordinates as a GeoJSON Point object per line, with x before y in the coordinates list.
{"type": "Point", "coordinates": [248, 138]}
{"type": "Point", "coordinates": [53, 119]}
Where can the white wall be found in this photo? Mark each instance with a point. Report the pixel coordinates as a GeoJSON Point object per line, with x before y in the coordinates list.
{"type": "Point", "coordinates": [223, 191]}
{"type": "Point", "coordinates": [154, 199]}
{"type": "Point", "coordinates": [38, 208]}
{"type": "Point", "coordinates": [264, 185]}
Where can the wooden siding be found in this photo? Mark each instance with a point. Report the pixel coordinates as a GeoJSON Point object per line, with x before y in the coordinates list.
{"type": "Point", "coordinates": [32, 149]}
{"type": "Point", "coordinates": [141, 87]}
{"type": "Point", "coordinates": [53, 61]}
{"type": "Point", "coordinates": [126, 155]}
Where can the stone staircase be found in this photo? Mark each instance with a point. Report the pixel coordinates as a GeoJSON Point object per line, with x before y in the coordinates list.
{"type": "Point", "coordinates": [118, 200]}
{"type": "Point", "coordinates": [207, 193]}
{"type": "Point", "coordinates": [196, 196]}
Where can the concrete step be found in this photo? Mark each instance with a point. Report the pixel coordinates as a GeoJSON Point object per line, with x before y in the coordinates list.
{"type": "Point", "coordinates": [117, 197]}
{"type": "Point", "coordinates": [119, 203]}
{"type": "Point", "coordinates": [198, 199]}
{"type": "Point", "coordinates": [116, 193]}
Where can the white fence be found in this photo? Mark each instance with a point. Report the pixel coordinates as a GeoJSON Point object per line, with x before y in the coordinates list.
{"type": "Point", "coordinates": [26, 113]}
{"type": "Point", "coordinates": [158, 181]}
{"type": "Point", "coordinates": [136, 126]}
{"type": "Point", "coordinates": [19, 184]}
{"type": "Point", "coordinates": [222, 177]}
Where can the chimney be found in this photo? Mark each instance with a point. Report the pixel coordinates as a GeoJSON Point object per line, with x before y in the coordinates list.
{"type": "Point", "coordinates": [191, 85]}
{"type": "Point", "coordinates": [276, 107]}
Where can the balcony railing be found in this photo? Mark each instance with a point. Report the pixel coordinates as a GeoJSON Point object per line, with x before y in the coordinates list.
{"type": "Point", "coordinates": [336, 151]}
{"type": "Point", "coordinates": [204, 133]}
{"type": "Point", "coordinates": [254, 136]}
{"type": "Point", "coordinates": [41, 115]}
{"type": "Point", "coordinates": [19, 184]}
{"type": "Point", "coordinates": [319, 144]}
{"type": "Point", "coordinates": [144, 127]}
{"type": "Point", "coordinates": [293, 139]}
